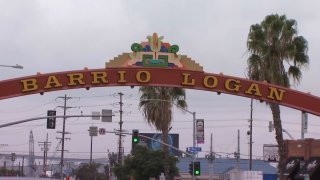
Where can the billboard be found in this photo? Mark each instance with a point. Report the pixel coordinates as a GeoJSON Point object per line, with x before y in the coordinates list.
{"type": "Point", "coordinates": [173, 140]}
{"type": "Point", "coordinates": [200, 131]}
{"type": "Point", "coordinates": [270, 152]}
{"type": "Point", "coordinates": [304, 117]}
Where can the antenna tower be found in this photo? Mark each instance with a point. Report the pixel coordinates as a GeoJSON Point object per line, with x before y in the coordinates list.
{"type": "Point", "coordinates": [31, 154]}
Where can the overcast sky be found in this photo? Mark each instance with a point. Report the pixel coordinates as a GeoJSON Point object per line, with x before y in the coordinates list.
{"type": "Point", "coordinates": [54, 36]}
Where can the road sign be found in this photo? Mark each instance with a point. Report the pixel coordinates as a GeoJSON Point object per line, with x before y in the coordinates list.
{"type": "Point", "coordinates": [95, 115]}
{"type": "Point", "coordinates": [194, 149]}
{"type": "Point", "coordinates": [102, 131]}
{"type": "Point", "coordinates": [93, 131]}
{"type": "Point", "coordinates": [107, 115]}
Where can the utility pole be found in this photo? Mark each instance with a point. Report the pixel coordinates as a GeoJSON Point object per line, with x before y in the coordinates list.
{"type": "Point", "coordinates": [211, 157]}
{"type": "Point", "coordinates": [65, 98]}
{"type": "Point", "coordinates": [45, 147]}
{"type": "Point", "coordinates": [237, 154]}
{"type": "Point", "coordinates": [250, 143]}
{"type": "Point", "coordinates": [238, 151]}
{"type": "Point", "coordinates": [91, 149]}
{"type": "Point", "coordinates": [62, 149]}
{"type": "Point", "coordinates": [120, 149]}
{"type": "Point", "coordinates": [22, 172]}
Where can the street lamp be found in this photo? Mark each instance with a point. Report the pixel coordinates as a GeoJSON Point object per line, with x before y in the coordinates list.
{"type": "Point", "coordinates": [17, 66]}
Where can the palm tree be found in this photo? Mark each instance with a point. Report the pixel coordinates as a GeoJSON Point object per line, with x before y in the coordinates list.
{"type": "Point", "coordinates": [277, 55]}
{"type": "Point", "coordinates": [156, 104]}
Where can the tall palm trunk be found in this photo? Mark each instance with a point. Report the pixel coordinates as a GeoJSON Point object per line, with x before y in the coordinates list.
{"type": "Point", "coordinates": [278, 129]}
{"type": "Point", "coordinates": [165, 135]}
{"type": "Point", "coordinates": [166, 119]}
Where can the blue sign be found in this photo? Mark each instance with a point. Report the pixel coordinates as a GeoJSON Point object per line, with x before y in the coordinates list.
{"type": "Point", "coordinates": [173, 140]}
{"type": "Point", "coordinates": [68, 171]}
{"type": "Point", "coordinates": [194, 149]}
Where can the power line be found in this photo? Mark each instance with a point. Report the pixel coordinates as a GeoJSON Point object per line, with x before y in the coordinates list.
{"type": "Point", "coordinates": [27, 108]}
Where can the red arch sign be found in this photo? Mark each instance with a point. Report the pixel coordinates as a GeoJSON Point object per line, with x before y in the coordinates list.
{"type": "Point", "coordinates": [144, 76]}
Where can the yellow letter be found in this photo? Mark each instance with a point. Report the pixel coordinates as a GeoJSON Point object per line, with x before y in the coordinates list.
{"type": "Point", "coordinates": [52, 81]}
{"type": "Point", "coordinates": [29, 85]}
{"type": "Point", "coordinates": [146, 74]}
{"type": "Point", "coordinates": [254, 87]}
{"type": "Point", "coordinates": [213, 84]}
{"type": "Point", "coordinates": [99, 77]}
{"type": "Point", "coordinates": [121, 76]}
{"type": "Point", "coordinates": [186, 78]}
{"type": "Point", "coordinates": [75, 77]}
{"type": "Point", "coordinates": [274, 93]}
{"type": "Point", "coordinates": [235, 85]}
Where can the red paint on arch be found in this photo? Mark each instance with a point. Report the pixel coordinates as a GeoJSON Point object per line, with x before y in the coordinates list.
{"type": "Point", "coordinates": [164, 77]}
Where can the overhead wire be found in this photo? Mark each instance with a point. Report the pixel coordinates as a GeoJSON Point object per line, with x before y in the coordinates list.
{"type": "Point", "coordinates": [27, 108]}
{"type": "Point", "coordinates": [177, 129]}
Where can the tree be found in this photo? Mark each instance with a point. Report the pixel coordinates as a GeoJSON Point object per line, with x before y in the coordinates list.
{"type": "Point", "coordinates": [274, 45]}
{"type": "Point", "coordinates": [89, 172]}
{"type": "Point", "coordinates": [145, 163]}
{"type": "Point", "coordinates": [8, 172]}
{"type": "Point", "coordinates": [156, 104]}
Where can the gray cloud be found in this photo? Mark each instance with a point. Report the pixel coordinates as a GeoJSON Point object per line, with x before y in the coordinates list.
{"type": "Point", "coordinates": [50, 36]}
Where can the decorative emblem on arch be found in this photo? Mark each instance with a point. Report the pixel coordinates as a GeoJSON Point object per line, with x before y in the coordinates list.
{"type": "Point", "coordinates": [154, 53]}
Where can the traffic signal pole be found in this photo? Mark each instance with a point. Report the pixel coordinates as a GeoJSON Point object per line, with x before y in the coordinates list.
{"type": "Point", "coordinates": [194, 143]}
{"type": "Point", "coordinates": [45, 117]}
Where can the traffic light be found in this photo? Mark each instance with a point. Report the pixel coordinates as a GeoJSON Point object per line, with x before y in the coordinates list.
{"type": "Point", "coordinates": [197, 169]}
{"type": "Point", "coordinates": [135, 136]}
{"type": "Point", "coordinates": [51, 121]}
{"type": "Point", "coordinates": [191, 168]}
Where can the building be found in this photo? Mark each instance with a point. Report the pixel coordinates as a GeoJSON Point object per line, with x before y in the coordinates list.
{"type": "Point", "coordinates": [222, 168]}
{"type": "Point", "coordinates": [303, 159]}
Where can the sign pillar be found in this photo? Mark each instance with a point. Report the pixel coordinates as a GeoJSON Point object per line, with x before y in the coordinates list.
{"type": "Point", "coordinates": [304, 123]}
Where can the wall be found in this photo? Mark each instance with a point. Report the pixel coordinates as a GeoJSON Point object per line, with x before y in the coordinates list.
{"type": "Point", "coordinates": [305, 148]}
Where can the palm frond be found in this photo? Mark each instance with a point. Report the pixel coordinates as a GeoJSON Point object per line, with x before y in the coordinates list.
{"type": "Point", "coordinates": [272, 43]}
{"type": "Point", "coordinates": [295, 73]}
